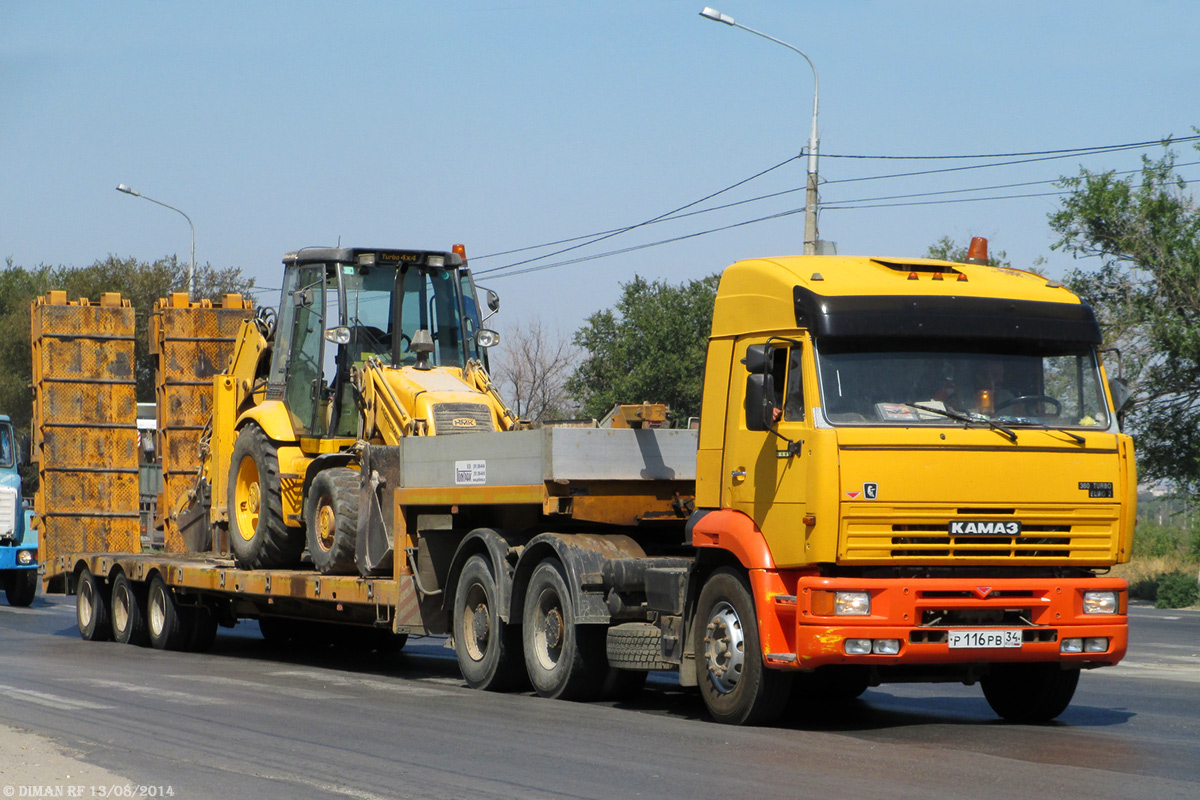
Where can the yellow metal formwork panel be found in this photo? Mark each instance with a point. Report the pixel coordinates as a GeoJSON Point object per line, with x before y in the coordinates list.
{"type": "Point", "coordinates": [85, 424]}
{"type": "Point", "coordinates": [192, 342]}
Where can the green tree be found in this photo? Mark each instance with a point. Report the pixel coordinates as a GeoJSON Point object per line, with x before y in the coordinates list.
{"type": "Point", "coordinates": [1145, 232]}
{"type": "Point", "coordinates": [650, 347]}
{"type": "Point", "coordinates": [139, 282]}
{"type": "Point", "coordinates": [946, 249]}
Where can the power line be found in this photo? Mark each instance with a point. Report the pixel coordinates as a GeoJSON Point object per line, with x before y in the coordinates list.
{"type": "Point", "coordinates": [1098, 149]}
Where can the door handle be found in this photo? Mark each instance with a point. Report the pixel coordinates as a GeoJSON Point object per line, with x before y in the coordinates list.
{"type": "Point", "coordinates": [738, 475]}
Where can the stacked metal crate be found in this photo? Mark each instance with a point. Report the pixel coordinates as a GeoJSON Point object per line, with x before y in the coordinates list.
{"type": "Point", "coordinates": [85, 424]}
{"type": "Point", "coordinates": [191, 342]}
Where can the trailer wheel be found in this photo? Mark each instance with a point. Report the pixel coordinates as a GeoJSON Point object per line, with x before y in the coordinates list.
{"type": "Point", "coordinates": [563, 660]}
{"type": "Point", "coordinates": [128, 611]}
{"type": "Point", "coordinates": [203, 629]}
{"type": "Point", "coordinates": [736, 687]}
{"type": "Point", "coordinates": [92, 609]}
{"type": "Point", "coordinates": [163, 617]}
{"type": "Point", "coordinates": [1029, 692]}
{"type": "Point", "coordinates": [331, 520]}
{"type": "Point", "coordinates": [257, 533]}
{"type": "Point", "coordinates": [488, 649]}
{"type": "Point", "coordinates": [22, 587]}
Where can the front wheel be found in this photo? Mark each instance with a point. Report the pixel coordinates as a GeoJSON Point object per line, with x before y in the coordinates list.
{"type": "Point", "coordinates": [737, 688]}
{"type": "Point", "coordinates": [331, 520]}
{"type": "Point", "coordinates": [22, 587]}
{"type": "Point", "coordinates": [1029, 693]}
{"type": "Point", "coordinates": [488, 649]}
{"type": "Point", "coordinates": [563, 660]}
{"type": "Point", "coordinates": [92, 608]}
{"type": "Point", "coordinates": [258, 535]}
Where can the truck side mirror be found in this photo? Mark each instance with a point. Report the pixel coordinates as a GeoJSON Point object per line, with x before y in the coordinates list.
{"type": "Point", "coordinates": [757, 358]}
{"type": "Point", "coordinates": [760, 402]}
{"type": "Point", "coordinates": [1121, 396]}
{"type": "Point", "coordinates": [493, 301]}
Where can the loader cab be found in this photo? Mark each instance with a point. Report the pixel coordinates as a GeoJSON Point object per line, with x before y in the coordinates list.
{"type": "Point", "coordinates": [341, 307]}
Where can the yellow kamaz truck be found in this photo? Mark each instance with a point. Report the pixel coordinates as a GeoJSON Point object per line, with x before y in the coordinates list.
{"type": "Point", "coordinates": [905, 470]}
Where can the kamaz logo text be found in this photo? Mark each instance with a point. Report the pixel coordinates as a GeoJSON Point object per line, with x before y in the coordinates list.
{"type": "Point", "coordinates": [966, 528]}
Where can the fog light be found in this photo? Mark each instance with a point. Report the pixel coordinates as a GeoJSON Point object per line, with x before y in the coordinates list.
{"type": "Point", "coordinates": [26, 557]}
{"type": "Point", "coordinates": [887, 647]}
{"type": "Point", "coordinates": [1097, 644]}
{"type": "Point", "coordinates": [852, 604]}
{"type": "Point", "coordinates": [858, 647]}
{"type": "Point", "coordinates": [1099, 602]}
{"type": "Point", "coordinates": [1071, 646]}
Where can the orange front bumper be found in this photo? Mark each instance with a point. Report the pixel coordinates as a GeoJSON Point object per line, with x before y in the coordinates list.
{"type": "Point", "coordinates": [799, 630]}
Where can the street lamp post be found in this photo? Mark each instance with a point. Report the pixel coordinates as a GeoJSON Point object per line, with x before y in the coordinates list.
{"type": "Point", "coordinates": [810, 201]}
{"type": "Point", "coordinates": [192, 264]}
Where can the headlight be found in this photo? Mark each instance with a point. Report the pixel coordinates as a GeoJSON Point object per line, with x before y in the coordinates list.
{"type": "Point", "coordinates": [26, 557]}
{"type": "Point", "coordinates": [1100, 603]}
{"type": "Point", "coordinates": [852, 604]}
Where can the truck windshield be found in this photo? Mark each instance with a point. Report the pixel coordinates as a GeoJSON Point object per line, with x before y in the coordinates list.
{"type": "Point", "coordinates": [7, 453]}
{"type": "Point", "coordinates": [938, 382]}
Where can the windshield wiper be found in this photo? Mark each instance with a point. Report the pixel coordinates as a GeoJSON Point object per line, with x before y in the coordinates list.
{"type": "Point", "coordinates": [968, 418]}
{"type": "Point", "coordinates": [1079, 439]}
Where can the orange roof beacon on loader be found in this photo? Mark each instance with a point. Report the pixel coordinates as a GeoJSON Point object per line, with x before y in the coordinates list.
{"type": "Point", "coordinates": [905, 469]}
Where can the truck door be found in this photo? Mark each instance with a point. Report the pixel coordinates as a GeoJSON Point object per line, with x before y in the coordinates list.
{"type": "Point", "coordinates": [305, 373]}
{"type": "Point", "coordinates": [761, 477]}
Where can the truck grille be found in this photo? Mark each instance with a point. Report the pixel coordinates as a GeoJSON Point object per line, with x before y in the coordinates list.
{"type": "Point", "coordinates": [921, 536]}
{"type": "Point", "coordinates": [8, 511]}
{"type": "Point", "coordinates": [454, 418]}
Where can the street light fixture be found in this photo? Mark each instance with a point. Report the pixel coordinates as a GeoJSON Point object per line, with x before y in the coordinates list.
{"type": "Point", "coordinates": [192, 264]}
{"type": "Point", "coordinates": [810, 201]}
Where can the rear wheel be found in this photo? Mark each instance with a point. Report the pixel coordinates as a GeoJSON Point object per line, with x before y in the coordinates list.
{"type": "Point", "coordinates": [22, 587]}
{"type": "Point", "coordinates": [128, 611]}
{"type": "Point", "coordinates": [91, 608]}
{"type": "Point", "coordinates": [737, 688]}
{"type": "Point", "coordinates": [563, 660]}
{"type": "Point", "coordinates": [331, 520]}
{"type": "Point", "coordinates": [257, 533]}
{"type": "Point", "coordinates": [1029, 692]}
{"type": "Point", "coordinates": [168, 630]}
{"type": "Point", "coordinates": [488, 649]}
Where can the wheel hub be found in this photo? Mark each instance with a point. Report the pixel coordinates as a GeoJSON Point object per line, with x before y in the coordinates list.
{"type": "Point", "coordinates": [553, 627]}
{"type": "Point", "coordinates": [481, 626]}
{"type": "Point", "coordinates": [724, 648]}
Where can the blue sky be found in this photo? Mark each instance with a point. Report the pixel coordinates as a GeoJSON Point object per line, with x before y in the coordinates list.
{"type": "Point", "coordinates": [503, 124]}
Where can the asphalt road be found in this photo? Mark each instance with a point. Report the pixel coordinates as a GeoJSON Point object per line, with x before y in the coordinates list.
{"type": "Point", "coordinates": [248, 721]}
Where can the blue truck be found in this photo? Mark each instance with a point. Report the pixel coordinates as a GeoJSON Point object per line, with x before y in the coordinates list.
{"type": "Point", "coordinates": [18, 539]}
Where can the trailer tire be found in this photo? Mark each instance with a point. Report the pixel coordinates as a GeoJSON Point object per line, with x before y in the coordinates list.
{"type": "Point", "coordinates": [258, 535]}
{"type": "Point", "coordinates": [203, 629]}
{"type": "Point", "coordinates": [737, 688]}
{"type": "Point", "coordinates": [92, 608]}
{"type": "Point", "coordinates": [128, 611]}
{"type": "Point", "coordinates": [22, 587]}
{"type": "Point", "coordinates": [488, 649]}
{"type": "Point", "coordinates": [331, 520]}
{"type": "Point", "coordinates": [564, 661]}
{"type": "Point", "coordinates": [1029, 693]}
{"type": "Point", "coordinates": [166, 624]}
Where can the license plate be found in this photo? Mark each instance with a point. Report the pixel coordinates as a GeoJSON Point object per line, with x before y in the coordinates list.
{"type": "Point", "coordinates": [985, 639]}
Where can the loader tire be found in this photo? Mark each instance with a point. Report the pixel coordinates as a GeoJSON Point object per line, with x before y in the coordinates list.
{"type": "Point", "coordinates": [257, 533]}
{"type": "Point", "coordinates": [331, 520]}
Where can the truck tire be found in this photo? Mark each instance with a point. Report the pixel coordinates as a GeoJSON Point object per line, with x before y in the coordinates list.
{"type": "Point", "coordinates": [91, 608]}
{"type": "Point", "coordinates": [737, 688]}
{"type": "Point", "coordinates": [564, 661]}
{"type": "Point", "coordinates": [331, 520]}
{"type": "Point", "coordinates": [1030, 693]}
{"type": "Point", "coordinates": [636, 646]}
{"type": "Point", "coordinates": [128, 611]}
{"type": "Point", "coordinates": [166, 624]}
{"type": "Point", "coordinates": [488, 649]}
{"type": "Point", "coordinates": [22, 587]}
{"type": "Point", "coordinates": [257, 533]}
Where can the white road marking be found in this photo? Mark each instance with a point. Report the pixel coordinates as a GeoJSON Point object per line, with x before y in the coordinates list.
{"type": "Point", "coordinates": [154, 692]}
{"type": "Point", "coordinates": [52, 700]}
{"type": "Point", "coordinates": [287, 689]}
{"type": "Point", "coordinates": [399, 686]}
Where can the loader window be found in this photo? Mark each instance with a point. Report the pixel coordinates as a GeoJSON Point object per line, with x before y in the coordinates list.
{"type": "Point", "coordinates": [369, 292]}
{"type": "Point", "coordinates": [305, 373]}
{"type": "Point", "coordinates": [431, 302]}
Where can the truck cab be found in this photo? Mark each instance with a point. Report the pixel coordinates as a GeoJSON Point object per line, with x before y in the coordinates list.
{"type": "Point", "coordinates": [918, 465]}
{"type": "Point", "coordinates": [18, 539]}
